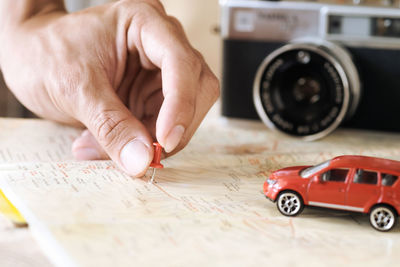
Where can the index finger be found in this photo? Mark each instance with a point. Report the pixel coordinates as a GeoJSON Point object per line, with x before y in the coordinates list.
{"type": "Point", "coordinates": [162, 43]}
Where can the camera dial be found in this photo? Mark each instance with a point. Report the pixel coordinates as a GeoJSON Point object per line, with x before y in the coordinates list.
{"type": "Point", "coordinates": [306, 89]}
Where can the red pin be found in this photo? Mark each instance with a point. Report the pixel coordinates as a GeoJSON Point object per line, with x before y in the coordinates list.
{"type": "Point", "coordinates": [155, 164]}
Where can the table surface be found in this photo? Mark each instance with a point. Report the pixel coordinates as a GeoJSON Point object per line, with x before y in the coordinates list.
{"type": "Point", "coordinates": [18, 248]}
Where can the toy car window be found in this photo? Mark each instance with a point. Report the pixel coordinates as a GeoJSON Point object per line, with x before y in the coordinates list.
{"type": "Point", "coordinates": [335, 175]}
{"type": "Point", "coordinates": [314, 169]}
{"type": "Point", "coordinates": [388, 179]}
{"type": "Point", "coordinates": [365, 177]}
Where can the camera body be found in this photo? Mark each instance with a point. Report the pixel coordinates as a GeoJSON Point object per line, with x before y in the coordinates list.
{"type": "Point", "coordinates": [306, 68]}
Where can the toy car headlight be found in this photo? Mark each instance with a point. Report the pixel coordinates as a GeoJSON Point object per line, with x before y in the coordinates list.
{"type": "Point", "coordinates": [271, 182]}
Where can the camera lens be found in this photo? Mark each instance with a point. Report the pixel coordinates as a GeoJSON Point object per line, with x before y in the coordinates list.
{"type": "Point", "coordinates": [304, 90]}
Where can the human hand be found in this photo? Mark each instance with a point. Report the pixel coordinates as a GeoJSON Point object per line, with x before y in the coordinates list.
{"type": "Point", "coordinates": [124, 70]}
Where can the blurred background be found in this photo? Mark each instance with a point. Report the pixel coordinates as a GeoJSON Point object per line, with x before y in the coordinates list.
{"type": "Point", "coordinates": [200, 19]}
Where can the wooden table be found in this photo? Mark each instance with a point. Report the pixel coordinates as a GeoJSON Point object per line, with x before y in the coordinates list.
{"type": "Point", "coordinates": [18, 248]}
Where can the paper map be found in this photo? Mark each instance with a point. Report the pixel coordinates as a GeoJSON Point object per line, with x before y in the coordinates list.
{"type": "Point", "coordinates": [207, 207]}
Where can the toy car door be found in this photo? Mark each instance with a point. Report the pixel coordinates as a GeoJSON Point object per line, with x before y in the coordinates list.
{"type": "Point", "coordinates": [329, 190]}
{"type": "Point", "coordinates": [363, 189]}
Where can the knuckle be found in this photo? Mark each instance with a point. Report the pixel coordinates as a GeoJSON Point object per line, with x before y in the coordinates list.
{"type": "Point", "coordinates": [122, 5]}
{"type": "Point", "coordinates": [146, 7]}
{"type": "Point", "coordinates": [173, 27]}
{"type": "Point", "coordinates": [210, 90]}
{"type": "Point", "coordinates": [215, 87]}
{"type": "Point", "coordinates": [175, 22]}
{"type": "Point", "coordinates": [139, 12]}
{"type": "Point", "coordinates": [143, 9]}
{"type": "Point", "coordinates": [144, 12]}
{"type": "Point", "coordinates": [156, 4]}
{"type": "Point", "coordinates": [198, 55]}
{"type": "Point", "coordinates": [192, 63]}
{"type": "Point", "coordinates": [109, 124]}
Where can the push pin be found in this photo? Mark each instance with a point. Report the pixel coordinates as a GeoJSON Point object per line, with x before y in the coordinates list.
{"type": "Point", "coordinates": [155, 164]}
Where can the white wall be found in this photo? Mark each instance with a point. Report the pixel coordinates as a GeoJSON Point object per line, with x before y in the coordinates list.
{"type": "Point", "coordinates": [199, 18]}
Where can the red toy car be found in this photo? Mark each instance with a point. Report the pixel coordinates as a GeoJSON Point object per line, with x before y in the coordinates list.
{"type": "Point", "coordinates": [354, 183]}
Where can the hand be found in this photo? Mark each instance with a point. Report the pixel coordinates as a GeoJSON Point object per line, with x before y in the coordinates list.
{"type": "Point", "coordinates": [124, 70]}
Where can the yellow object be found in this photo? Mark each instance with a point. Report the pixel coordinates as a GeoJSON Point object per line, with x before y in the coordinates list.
{"type": "Point", "coordinates": [8, 210]}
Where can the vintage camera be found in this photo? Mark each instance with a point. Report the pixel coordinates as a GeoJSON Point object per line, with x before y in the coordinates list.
{"type": "Point", "coordinates": [306, 68]}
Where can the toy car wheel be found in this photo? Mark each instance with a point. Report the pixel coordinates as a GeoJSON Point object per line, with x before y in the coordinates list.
{"type": "Point", "coordinates": [290, 203]}
{"type": "Point", "coordinates": [383, 218]}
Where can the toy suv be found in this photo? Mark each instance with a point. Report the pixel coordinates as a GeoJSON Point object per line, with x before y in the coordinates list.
{"type": "Point", "coordinates": [354, 183]}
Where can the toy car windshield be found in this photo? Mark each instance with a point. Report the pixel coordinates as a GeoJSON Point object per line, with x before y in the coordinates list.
{"type": "Point", "coordinates": [310, 171]}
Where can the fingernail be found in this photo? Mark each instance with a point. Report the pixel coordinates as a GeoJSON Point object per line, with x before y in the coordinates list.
{"type": "Point", "coordinates": [86, 153]}
{"type": "Point", "coordinates": [135, 157]}
{"type": "Point", "coordinates": [173, 138]}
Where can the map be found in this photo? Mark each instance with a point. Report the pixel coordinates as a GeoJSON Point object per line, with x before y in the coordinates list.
{"type": "Point", "coordinates": [206, 207]}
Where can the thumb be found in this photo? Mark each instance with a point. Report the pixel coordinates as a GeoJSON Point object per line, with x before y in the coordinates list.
{"type": "Point", "coordinates": [123, 137]}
